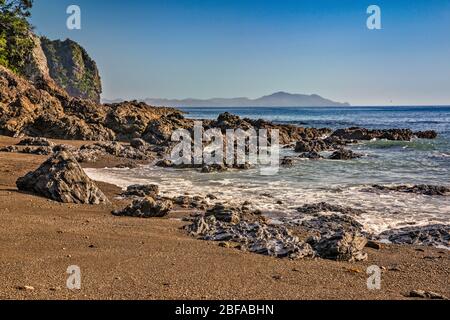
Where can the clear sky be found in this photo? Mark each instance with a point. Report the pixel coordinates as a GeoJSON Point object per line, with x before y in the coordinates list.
{"type": "Point", "coordinates": [233, 48]}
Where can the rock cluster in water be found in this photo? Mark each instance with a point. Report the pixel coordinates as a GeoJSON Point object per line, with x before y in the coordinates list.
{"type": "Point", "coordinates": [344, 154]}
{"type": "Point", "coordinates": [314, 208]}
{"type": "Point", "coordinates": [425, 189]}
{"type": "Point", "coordinates": [356, 133]}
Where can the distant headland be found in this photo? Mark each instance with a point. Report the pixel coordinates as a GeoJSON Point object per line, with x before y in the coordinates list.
{"type": "Point", "coordinates": [278, 99]}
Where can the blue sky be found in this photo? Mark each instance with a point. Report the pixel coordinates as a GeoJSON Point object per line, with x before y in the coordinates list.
{"type": "Point", "coordinates": [231, 48]}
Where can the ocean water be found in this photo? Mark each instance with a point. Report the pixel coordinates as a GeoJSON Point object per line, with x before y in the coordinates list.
{"type": "Point", "coordinates": [337, 182]}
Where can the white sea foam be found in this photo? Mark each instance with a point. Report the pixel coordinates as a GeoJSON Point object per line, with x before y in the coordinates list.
{"type": "Point", "coordinates": [382, 210]}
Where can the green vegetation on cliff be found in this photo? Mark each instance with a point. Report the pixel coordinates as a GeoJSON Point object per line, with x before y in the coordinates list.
{"type": "Point", "coordinates": [15, 40]}
{"type": "Point", "coordinates": [72, 68]}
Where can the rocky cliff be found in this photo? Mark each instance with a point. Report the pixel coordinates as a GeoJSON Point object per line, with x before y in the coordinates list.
{"type": "Point", "coordinates": [36, 66]}
{"type": "Point", "coordinates": [42, 108]}
{"type": "Point", "coordinates": [72, 68]}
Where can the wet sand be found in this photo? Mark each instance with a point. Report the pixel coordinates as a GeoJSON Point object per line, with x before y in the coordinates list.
{"type": "Point", "coordinates": [130, 258]}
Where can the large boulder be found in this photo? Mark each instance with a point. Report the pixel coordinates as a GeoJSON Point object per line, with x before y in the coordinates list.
{"type": "Point", "coordinates": [341, 246]}
{"type": "Point", "coordinates": [61, 178]}
{"type": "Point", "coordinates": [336, 236]}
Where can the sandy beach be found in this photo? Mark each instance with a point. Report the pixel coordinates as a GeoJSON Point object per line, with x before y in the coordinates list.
{"type": "Point", "coordinates": [129, 258]}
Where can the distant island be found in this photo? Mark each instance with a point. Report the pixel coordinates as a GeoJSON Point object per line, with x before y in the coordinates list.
{"type": "Point", "coordinates": [278, 99]}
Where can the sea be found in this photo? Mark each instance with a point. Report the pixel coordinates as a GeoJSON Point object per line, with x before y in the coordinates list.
{"type": "Point", "coordinates": [336, 182]}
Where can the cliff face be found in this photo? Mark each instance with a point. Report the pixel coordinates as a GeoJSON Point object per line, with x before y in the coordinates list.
{"type": "Point", "coordinates": [36, 66]}
{"type": "Point", "coordinates": [72, 68]}
{"type": "Point", "coordinates": [43, 109]}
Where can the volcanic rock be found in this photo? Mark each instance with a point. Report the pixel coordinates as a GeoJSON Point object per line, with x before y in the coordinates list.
{"type": "Point", "coordinates": [146, 208]}
{"type": "Point", "coordinates": [356, 133]}
{"type": "Point", "coordinates": [344, 154]}
{"type": "Point", "coordinates": [326, 207]}
{"type": "Point", "coordinates": [39, 142]}
{"type": "Point", "coordinates": [310, 155]}
{"type": "Point", "coordinates": [254, 237]}
{"type": "Point", "coordinates": [427, 295]}
{"type": "Point", "coordinates": [340, 246]}
{"type": "Point", "coordinates": [429, 190]}
{"type": "Point", "coordinates": [429, 134]}
{"type": "Point", "coordinates": [138, 190]}
{"type": "Point", "coordinates": [431, 235]}
{"type": "Point", "coordinates": [225, 214]}
{"type": "Point", "coordinates": [61, 178]}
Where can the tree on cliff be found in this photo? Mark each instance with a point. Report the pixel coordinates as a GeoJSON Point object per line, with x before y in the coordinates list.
{"type": "Point", "coordinates": [15, 40]}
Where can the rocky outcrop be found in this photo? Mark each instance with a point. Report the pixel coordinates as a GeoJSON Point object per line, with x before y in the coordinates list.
{"type": "Point", "coordinates": [310, 155]}
{"type": "Point", "coordinates": [85, 153]}
{"type": "Point", "coordinates": [432, 235]}
{"type": "Point", "coordinates": [61, 178]}
{"type": "Point", "coordinates": [41, 142]}
{"type": "Point", "coordinates": [429, 134]}
{"type": "Point", "coordinates": [344, 154]}
{"type": "Point", "coordinates": [287, 133]}
{"type": "Point", "coordinates": [336, 237]}
{"type": "Point", "coordinates": [136, 190]}
{"type": "Point", "coordinates": [321, 207]}
{"type": "Point", "coordinates": [256, 237]}
{"type": "Point", "coordinates": [429, 190]}
{"type": "Point", "coordinates": [43, 109]}
{"type": "Point", "coordinates": [318, 145]}
{"type": "Point", "coordinates": [146, 208]}
{"type": "Point", "coordinates": [356, 133]}
{"type": "Point", "coordinates": [310, 148]}
{"type": "Point", "coordinates": [214, 168]}
{"type": "Point", "coordinates": [426, 295]}
{"type": "Point", "coordinates": [159, 131]}
{"type": "Point", "coordinates": [72, 68]}
{"type": "Point", "coordinates": [36, 67]}
{"type": "Point", "coordinates": [225, 214]}
{"type": "Point", "coordinates": [187, 202]}
{"type": "Point", "coordinates": [287, 162]}
{"type": "Point", "coordinates": [90, 152]}
{"type": "Point", "coordinates": [340, 246]}
{"type": "Point", "coordinates": [328, 225]}
{"type": "Point", "coordinates": [28, 150]}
